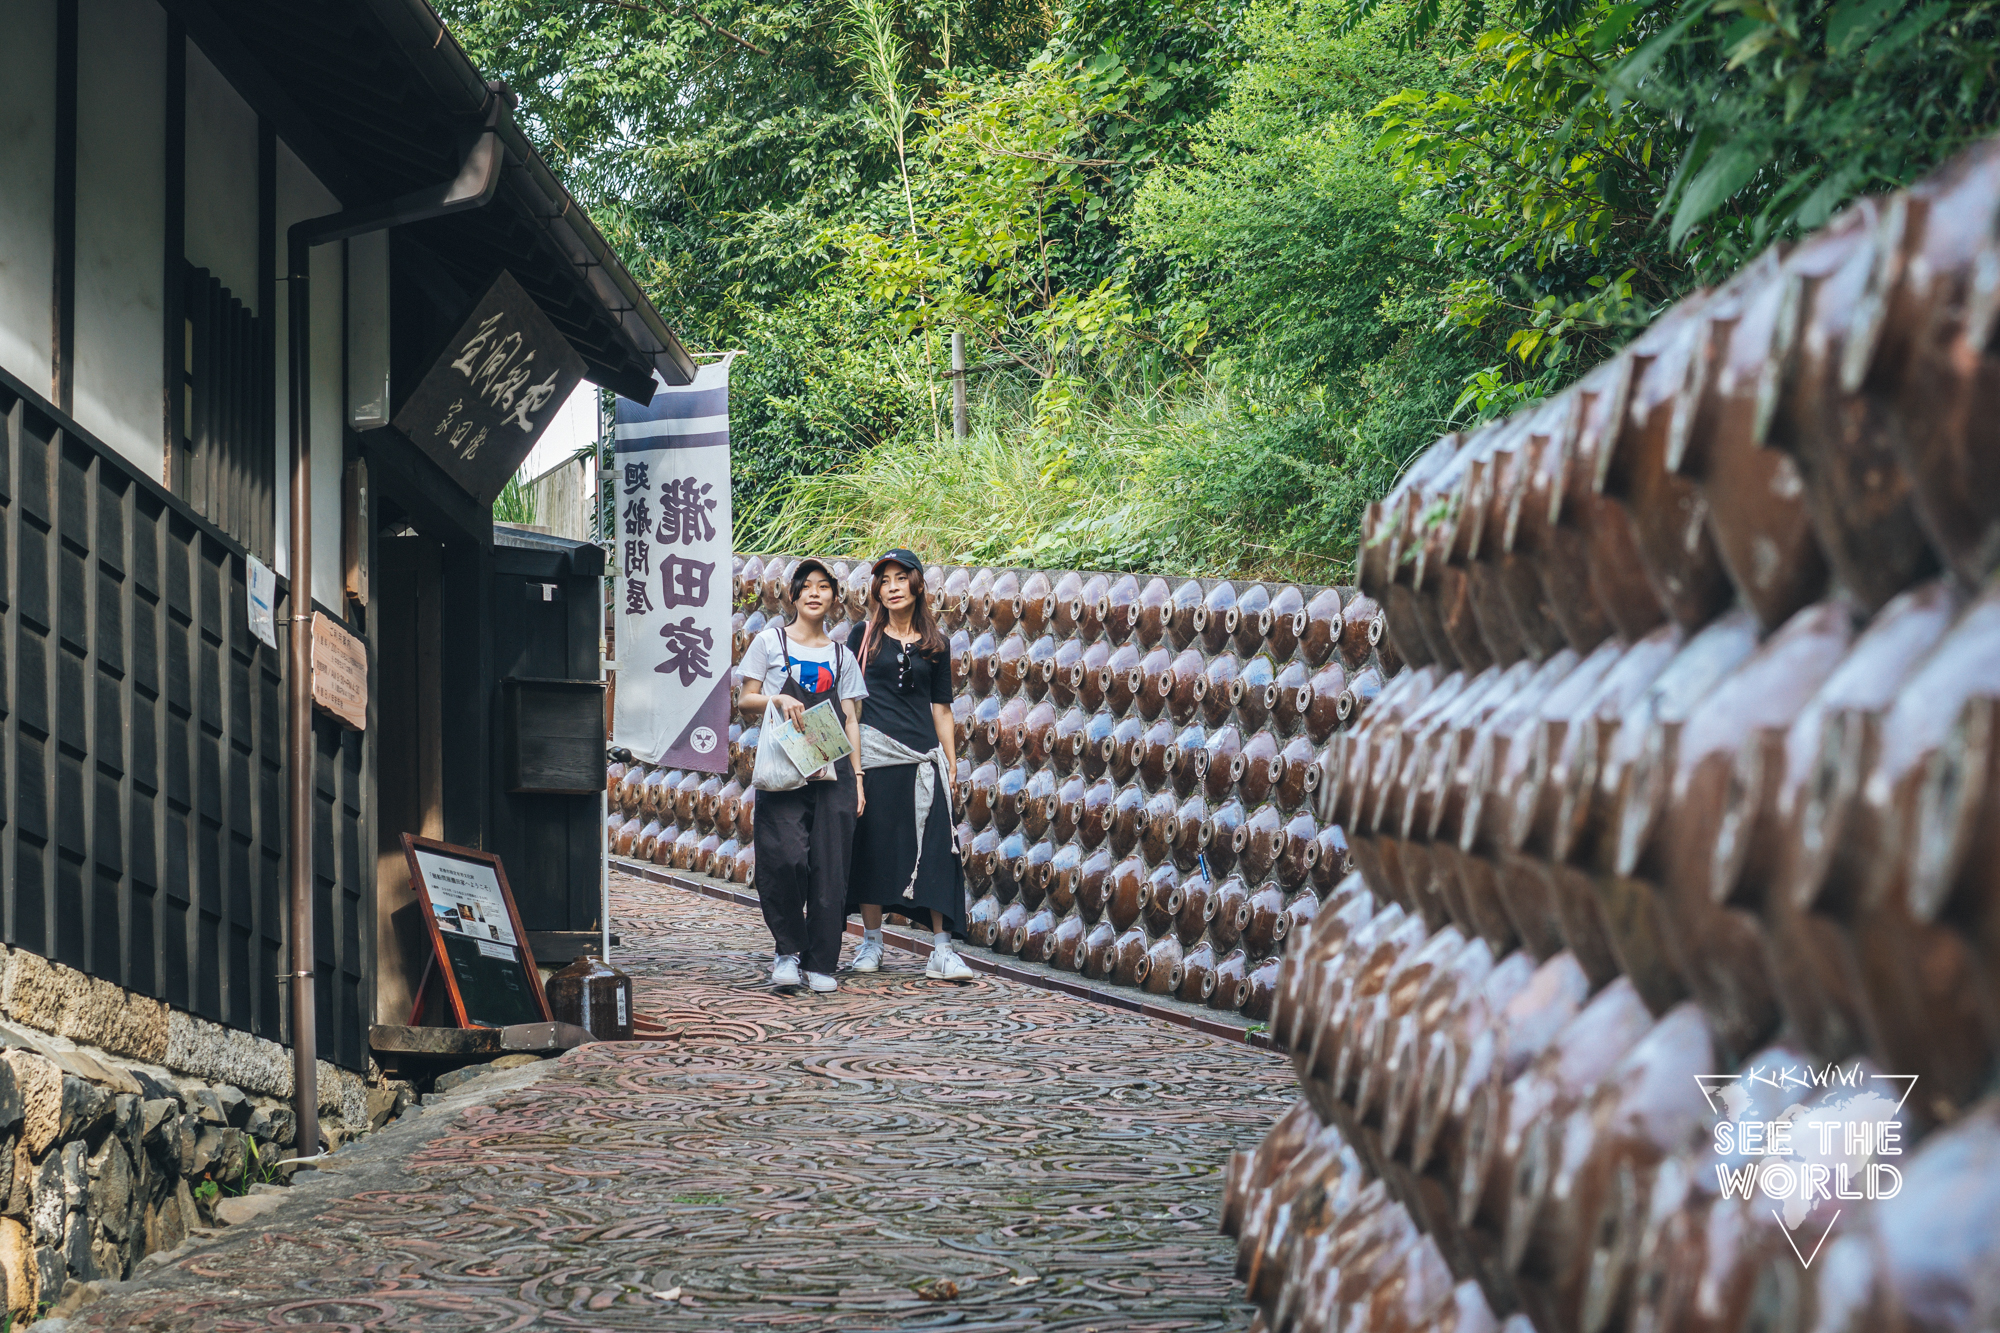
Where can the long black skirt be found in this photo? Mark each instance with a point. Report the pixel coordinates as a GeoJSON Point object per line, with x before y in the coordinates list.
{"type": "Point", "coordinates": [885, 850]}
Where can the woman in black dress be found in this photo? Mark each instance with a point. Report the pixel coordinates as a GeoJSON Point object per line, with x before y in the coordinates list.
{"type": "Point", "coordinates": [905, 853]}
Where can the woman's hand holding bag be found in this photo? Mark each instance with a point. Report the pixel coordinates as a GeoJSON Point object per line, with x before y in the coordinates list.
{"type": "Point", "coordinates": [774, 769]}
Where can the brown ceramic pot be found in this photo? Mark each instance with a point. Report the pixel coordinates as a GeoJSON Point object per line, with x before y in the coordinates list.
{"type": "Point", "coordinates": [1096, 601]}
{"type": "Point", "coordinates": [1224, 750]}
{"type": "Point", "coordinates": [1094, 958]}
{"type": "Point", "coordinates": [1092, 883]}
{"type": "Point", "coordinates": [1188, 615]}
{"type": "Point", "coordinates": [1324, 627]}
{"type": "Point", "coordinates": [1191, 772]}
{"type": "Point", "coordinates": [1162, 902]}
{"type": "Point", "coordinates": [1066, 671]}
{"type": "Point", "coordinates": [1190, 686]}
{"type": "Point", "coordinates": [1095, 819]}
{"type": "Point", "coordinates": [1094, 754]}
{"type": "Point", "coordinates": [978, 601]}
{"type": "Point", "coordinates": [1038, 673]}
{"type": "Point", "coordinates": [1121, 615]}
{"type": "Point", "coordinates": [1155, 612]}
{"type": "Point", "coordinates": [1123, 678]}
{"type": "Point", "coordinates": [1069, 808]}
{"type": "Point", "coordinates": [1124, 748]}
{"type": "Point", "coordinates": [1124, 819]}
{"type": "Point", "coordinates": [1220, 603]}
{"type": "Point", "coordinates": [1161, 828]}
{"type": "Point", "coordinates": [1066, 944]}
{"type": "Point", "coordinates": [1067, 739]}
{"type": "Point", "coordinates": [1156, 684]}
{"type": "Point", "coordinates": [1232, 986]}
{"type": "Point", "coordinates": [1009, 927]}
{"type": "Point", "coordinates": [1192, 832]}
{"type": "Point", "coordinates": [1004, 603]}
{"type": "Point", "coordinates": [1197, 972]}
{"type": "Point", "coordinates": [1254, 619]}
{"type": "Point", "coordinates": [1037, 604]}
{"type": "Point", "coordinates": [1263, 768]}
{"type": "Point", "coordinates": [1010, 665]}
{"type": "Point", "coordinates": [1227, 837]}
{"type": "Point", "coordinates": [1065, 873]}
{"type": "Point", "coordinates": [1038, 937]}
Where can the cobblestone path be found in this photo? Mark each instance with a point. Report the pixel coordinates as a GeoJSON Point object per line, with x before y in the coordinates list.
{"type": "Point", "coordinates": [785, 1163]}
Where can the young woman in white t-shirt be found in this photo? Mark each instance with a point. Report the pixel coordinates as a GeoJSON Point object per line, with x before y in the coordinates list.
{"type": "Point", "coordinates": [805, 837]}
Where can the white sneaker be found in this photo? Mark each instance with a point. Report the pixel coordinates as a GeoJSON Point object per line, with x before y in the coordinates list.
{"type": "Point", "coordinates": [785, 972]}
{"type": "Point", "coordinates": [821, 983]}
{"type": "Point", "coordinates": [946, 965]}
{"type": "Point", "coordinates": [868, 958]}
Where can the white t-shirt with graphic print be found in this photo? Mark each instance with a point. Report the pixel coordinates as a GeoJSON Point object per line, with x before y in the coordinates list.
{"type": "Point", "coordinates": [760, 663]}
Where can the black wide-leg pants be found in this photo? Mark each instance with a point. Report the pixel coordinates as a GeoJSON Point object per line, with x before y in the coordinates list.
{"type": "Point", "coordinates": [805, 843]}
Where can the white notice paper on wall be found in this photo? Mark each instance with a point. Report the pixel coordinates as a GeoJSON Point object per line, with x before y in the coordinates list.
{"type": "Point", "coordinates": [466, 900]}
{"type": "Point", "coordinates": [263, 586]}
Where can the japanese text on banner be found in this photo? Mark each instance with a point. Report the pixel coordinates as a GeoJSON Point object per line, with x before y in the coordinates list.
{"type": "Point", "coordinates": [672, 565]}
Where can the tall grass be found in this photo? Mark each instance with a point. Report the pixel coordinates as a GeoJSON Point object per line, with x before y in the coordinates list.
{"type": "Point", "coordinates": [515, 503]}
{"type": "Point", "coordinates": [1130, 482]}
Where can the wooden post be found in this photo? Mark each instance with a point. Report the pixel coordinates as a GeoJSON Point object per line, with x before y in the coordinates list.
{"type": "Point", "coordinates": [959, 426]}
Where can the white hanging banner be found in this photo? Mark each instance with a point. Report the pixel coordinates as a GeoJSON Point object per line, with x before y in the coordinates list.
{"type": "Point", "coordinates": [672, 559]}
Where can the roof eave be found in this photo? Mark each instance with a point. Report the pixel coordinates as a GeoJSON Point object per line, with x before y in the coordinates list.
{"type": "Point", "coordinates": [442, 64]}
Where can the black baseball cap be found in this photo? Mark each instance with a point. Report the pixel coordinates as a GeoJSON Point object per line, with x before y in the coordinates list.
{"type": "Point", "coordinates": [906, 558]}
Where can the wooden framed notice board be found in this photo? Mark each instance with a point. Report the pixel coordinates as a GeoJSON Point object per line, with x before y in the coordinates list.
{"type": "Point", "coordinates": [479, 947]}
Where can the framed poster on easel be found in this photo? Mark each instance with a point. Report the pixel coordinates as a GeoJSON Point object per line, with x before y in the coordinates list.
{"type": "Point", "coordinates": [479, 948]}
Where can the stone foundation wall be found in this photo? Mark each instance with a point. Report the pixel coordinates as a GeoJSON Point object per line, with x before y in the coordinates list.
{"type": "Point", "coordinates": [117, 1115]}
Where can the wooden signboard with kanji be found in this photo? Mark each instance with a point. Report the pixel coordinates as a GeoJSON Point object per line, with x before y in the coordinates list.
{"type": "Point", "coordinates": [339, 671]}
{"type": "Point", "coordinates": [492, 391]}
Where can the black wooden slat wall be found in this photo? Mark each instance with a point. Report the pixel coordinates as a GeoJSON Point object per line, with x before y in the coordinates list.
{"type": "Point", "coordinates": [142, 752]}
{"type": "Point", "coordinates": [226, 467]}
{"type": "Point", "coordinates": [343, 895]}
{"type": "Point", "coordinates": [552, 845]}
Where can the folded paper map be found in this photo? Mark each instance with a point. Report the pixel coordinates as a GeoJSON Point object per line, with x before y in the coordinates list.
{"type": "Point", "coordinates": [816, 741]}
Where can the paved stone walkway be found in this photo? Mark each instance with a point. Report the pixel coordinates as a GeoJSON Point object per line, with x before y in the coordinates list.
{"type": "Point", "coordinates": [784, 1163]}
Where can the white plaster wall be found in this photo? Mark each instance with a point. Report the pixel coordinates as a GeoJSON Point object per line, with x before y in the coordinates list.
{"type": "Point", "coordinates": [121, 227]}
{"type": "Point", "coordinates": [573, 427]}
{"type": "Point", "coordinates": [368, 330]}
{"type": "Point", "coordinates": [221, 179]}
{"type": "Point", "coordinates": [301, 196]}
{"type": "Point", "coordinates": [27, 200]}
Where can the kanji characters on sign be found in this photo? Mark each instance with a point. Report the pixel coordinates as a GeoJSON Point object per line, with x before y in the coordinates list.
{"type": "Point", "coordinates": [684, 512]}
{"type": "Point", "coordinates": [687, 651]}
{"type": "Point", "coordinates": [683, 582]}
{"type": "Point", "coordinates": [669, 516]}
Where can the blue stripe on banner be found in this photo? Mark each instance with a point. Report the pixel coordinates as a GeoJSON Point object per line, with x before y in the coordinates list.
{"type": "Point", "coordinates": [673, 404]}
{"type": "Point", "coordinates": [647, 444]}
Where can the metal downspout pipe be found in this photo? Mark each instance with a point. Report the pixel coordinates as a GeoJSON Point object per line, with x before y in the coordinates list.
{"type": "Point", "coordinates": [473, 187]}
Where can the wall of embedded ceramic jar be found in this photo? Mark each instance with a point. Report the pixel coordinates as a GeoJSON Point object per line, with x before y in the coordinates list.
{"type": "Point", "coordinates": [1686, 766]}
{"type": "Point", "coordinates": [1138, 760]}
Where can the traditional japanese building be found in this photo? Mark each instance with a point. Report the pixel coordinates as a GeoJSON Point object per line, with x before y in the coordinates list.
{"type": "Point", "coordinates": [171, 340]}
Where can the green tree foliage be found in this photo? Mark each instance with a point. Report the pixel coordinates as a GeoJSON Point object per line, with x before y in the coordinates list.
{"type": "Point", "coordinates": [1222, 268]}
{"type": "Point", "coordinates": [1604, 159]}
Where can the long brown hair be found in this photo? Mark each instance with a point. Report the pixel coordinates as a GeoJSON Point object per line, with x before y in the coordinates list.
{"type": "Point", "coordinates": [930, 639]}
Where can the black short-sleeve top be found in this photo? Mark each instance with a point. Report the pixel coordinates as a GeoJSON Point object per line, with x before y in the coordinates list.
{"type": "Point", "coordinates": [903, 683]}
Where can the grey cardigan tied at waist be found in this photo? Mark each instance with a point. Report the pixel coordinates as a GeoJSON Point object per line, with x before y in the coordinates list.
{"type": "Point", "coordinates": [881, 751]}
